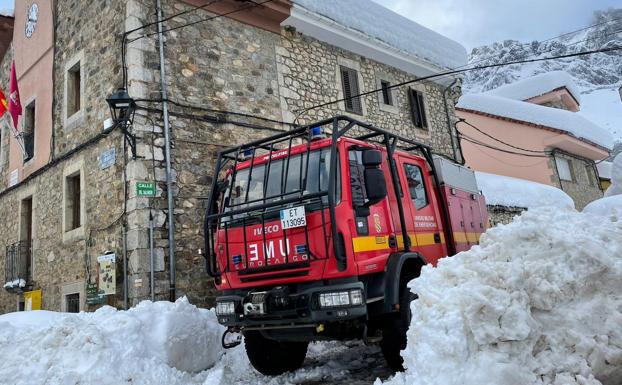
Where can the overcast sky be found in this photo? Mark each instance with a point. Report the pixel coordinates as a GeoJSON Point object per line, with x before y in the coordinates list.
{"type": "Point", "coordinates": [477, 22]}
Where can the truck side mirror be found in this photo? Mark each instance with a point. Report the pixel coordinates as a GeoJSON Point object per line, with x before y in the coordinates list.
{"type": "Point", "coordinates": [375, 184]}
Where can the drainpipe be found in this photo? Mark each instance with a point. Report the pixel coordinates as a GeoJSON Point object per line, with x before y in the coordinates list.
{"type": "Point", "coordinates": [151, 260]}
{"type": "Point", "coordinates": [452, 135]}
{"type": "Point", "coordinates": [167, 155]}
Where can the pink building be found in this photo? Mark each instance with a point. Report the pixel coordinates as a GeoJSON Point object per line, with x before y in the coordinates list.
{"type": "Point", "coordinates": [532, 129]}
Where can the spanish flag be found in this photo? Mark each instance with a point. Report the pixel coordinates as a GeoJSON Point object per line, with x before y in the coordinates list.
{"type": "Point", "coordinates": [4, 105]}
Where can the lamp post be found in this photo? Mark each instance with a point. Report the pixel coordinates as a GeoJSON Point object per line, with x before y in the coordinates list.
{"type": "Point", "coordinates": [122, 109]}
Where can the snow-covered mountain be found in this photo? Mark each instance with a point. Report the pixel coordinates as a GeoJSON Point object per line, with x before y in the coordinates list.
{"type": "Point", "coordinates": [598, 75]}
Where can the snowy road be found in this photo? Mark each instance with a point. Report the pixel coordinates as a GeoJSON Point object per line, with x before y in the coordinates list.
{"type": "Point", "coordinates": [349, 363]}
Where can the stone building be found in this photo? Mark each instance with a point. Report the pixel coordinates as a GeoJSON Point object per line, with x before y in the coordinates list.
{"type": "Point", "coordinates": [532, 129]}
{"type": "Point", "coordinates": [233, 71]}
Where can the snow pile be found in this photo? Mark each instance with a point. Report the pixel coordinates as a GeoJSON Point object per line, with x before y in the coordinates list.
{"type": "Point", "coordinates": [616, 177]}
{"type": "Point", "coordinates": [153, 343]}
{"type": "Point", "coordinates": [15, 283]}
{"type": "Point", "coordinates": [7, 12]}
{"type": "Point", "coordinates": [513, 192]}
{"type": "Point", "coordinates": [537, 302]}
{"type": "Point", "coordinates": [606, 207]}
{"type": "Point", "coordinates": [572, 123]}
{"type": "Point", "coordinates": [538, 85]}
{"type": "Point", "coordinates": [377, 22]}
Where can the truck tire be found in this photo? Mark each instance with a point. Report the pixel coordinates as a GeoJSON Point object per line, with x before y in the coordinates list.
{"type": "Point", "coordinates": [394, 332]}
{"type": "Point", "coordinates": [271, 357]}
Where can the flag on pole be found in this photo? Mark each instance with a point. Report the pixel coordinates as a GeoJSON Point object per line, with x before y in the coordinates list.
{"type": "Point", "coordinates": [15, 106]}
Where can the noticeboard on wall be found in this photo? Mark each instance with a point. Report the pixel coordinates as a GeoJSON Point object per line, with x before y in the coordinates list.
{"type": "Point", "coordinates": [107, 274]}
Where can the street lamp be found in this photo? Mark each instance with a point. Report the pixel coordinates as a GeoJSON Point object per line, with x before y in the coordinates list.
{"type": "Point", "coordinates": [122, 109]}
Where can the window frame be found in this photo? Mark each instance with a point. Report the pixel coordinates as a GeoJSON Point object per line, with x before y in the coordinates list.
{"type": "Point", "coordinates": [29, 130]}
{"type": "Point", "coordinates": [71, 120]}
{"type": "Point", "coordinates": [387, 97]}
{"type": "Point", "coordinates": [418, 113]}
{"type": "Point", "coordinates": [426, 194]}
{"type": "Point", "coordinates": [356, 103]}
{"type": "Point", "coordinates": [561, 171]}
{"type": "Point", "coordinates": [78, 233]}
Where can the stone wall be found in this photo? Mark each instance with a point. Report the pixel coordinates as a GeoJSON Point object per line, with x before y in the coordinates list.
{"type": "Point", "coordinates": [502, 214]}
{"type": "Point", "coordinates": [584, 188]}
{"type": "Point", "coordinates": [62, 259]}
{"type": "Point", "coordinates": [225, 65]}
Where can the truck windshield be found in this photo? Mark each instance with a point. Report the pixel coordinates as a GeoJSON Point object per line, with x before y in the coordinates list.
{"type": "Point", "coordinates": [284, 180]}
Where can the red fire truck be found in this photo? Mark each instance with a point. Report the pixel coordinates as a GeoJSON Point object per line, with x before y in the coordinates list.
{"type": "Point", "coordinates": [313, 234]}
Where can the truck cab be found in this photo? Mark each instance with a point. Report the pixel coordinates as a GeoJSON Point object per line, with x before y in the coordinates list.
{"type": "Point", "coordinates": [312, 234]}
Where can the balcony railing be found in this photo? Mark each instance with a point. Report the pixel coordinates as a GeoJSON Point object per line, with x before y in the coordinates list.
{"type": "Point", "coordinates": [18, 270]}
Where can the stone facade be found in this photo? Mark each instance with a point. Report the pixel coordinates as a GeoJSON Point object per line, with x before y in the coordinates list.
{"type": "Point", "coordinates": [215, 66]}
{"type": "Point", "coordinates": [502, 214]}
{"type": "Point", "coordinates": [584, 187]}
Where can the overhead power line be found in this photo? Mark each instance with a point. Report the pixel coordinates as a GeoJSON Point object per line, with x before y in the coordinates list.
{"type": "Point", "coordinates": [499, 140]}
{"type": "Point", "coordinates": [453, 72]}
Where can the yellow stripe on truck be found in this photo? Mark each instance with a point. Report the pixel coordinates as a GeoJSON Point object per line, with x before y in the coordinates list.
{"type": "Point", "coordinates": [361, 244]}
{"type": "Point", "coordinates": [373, 243]}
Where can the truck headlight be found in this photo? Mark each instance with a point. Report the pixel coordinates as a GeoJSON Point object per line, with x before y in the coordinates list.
{"type": "Point", "coordinates": [225, 308]}
{"type": "Point", "coordinates": [341, 298]}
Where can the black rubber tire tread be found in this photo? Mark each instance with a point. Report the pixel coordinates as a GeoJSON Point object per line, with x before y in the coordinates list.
{"type": "Point", "coordinates": [271, 357]}
{"type": "Point", "coordinates": [394, 332]}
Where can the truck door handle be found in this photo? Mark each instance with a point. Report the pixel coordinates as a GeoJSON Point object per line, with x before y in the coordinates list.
{"type": "Point", "coordinates": [392, 241]}
{"type": "Point", "coordinates": [437, 238]}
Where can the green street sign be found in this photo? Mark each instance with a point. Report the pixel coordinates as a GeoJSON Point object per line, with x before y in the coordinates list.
{"type": "Point", "coordinates": [145, 189]}
{"type": "Point", "coordinates": [92, 297]}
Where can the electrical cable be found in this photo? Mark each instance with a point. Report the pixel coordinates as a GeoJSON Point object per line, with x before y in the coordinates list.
{"type": "Point", "coordinates": [477, 142]}
{"type": "Point", "coordinates": [201, 20]}
{"type": "Point", "coordinates": [217, 111]}
{"type": "Point", "coordinates": [462, 120]}
{"type": "Point", "coordinates": [453, 72]}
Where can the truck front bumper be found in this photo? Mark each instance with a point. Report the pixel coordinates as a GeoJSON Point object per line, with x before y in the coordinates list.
{"type": "Point", "coordinates": [278, 308]}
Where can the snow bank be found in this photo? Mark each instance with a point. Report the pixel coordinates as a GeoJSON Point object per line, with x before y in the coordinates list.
{"type": "Point", "coordinates": [538, 85]}
{"type": "Point", "coordinates": [153, 343]}
{"type": "Point", "coordinates": [537, 302]}
{"type": "Point", "coordinates": [513, 192]}
{"type": "Point", "coordinates": [606, 207]}
{"type": "Point", "coordinates": [616, 177]}
{"type": "Point", "coordinates": [569, 122]}
{"type": "Point", "coordinates": [604, 169]}
{"type": "Point", "coordinates": [378, 22]}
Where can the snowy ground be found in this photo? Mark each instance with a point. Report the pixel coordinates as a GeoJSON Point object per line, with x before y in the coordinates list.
{"type": "Point", "coordinates": [537, 302]}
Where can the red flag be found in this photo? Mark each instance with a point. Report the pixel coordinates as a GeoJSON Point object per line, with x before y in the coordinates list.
{"type": "Point", "coordinates": [15, 106]}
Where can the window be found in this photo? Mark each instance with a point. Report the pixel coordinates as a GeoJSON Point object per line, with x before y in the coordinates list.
{"type": "Point", "coordinates": [350, 84]}
{"type": "Point", "coordinates": [74, 78]}
{"type": "Point", "coordinates": [416, 186]}
{"type": "Point", "coordinates": [29, 131]}
{"type": "Point", "coordinates": [72, 303]}
{"type": "Point", "coordinates": [73, 202]}
{"type": "Point", "coordinates": [417, 108]}
{"type": "Point", "coordinates": [386, 93]}
{"type": "Point", "coordinates": [589, 170]}
{"type": "Point", "coordinates": [564, 169]}
{"type": "Point", "coordinates": [25, 238]}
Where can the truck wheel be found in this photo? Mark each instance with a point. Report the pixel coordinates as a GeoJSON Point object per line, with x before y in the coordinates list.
{"type": "Point", "coordinates": [394, 332]}
{"type": "Point", "coordinates": [272, 357]}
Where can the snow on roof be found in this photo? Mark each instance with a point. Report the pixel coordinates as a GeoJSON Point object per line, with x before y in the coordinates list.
{"type": "Point", "coordinates": [7, 12]}
{"type": "Point", "coordinates": [570, 122]}
{"type": "Point", "coordinates": [538, 85]}
{"type": "Point", "coordinates": [513, 192]}
{"type": "Point", "coordinates": [382, 24]}
{"type": "Point", "coordinates": [604, 169]}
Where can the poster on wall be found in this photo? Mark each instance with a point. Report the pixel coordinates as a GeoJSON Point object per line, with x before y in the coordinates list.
{"type": "Point", "coordinates": [32, 300]}
{"type": "Point", "coordinates": [107, 273]}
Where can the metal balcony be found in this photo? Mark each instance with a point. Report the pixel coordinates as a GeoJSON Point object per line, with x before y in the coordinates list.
{"type": "Point", "coordinates": [18, 267]}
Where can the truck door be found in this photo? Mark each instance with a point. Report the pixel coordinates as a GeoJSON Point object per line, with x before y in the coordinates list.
{"type": "Point", "coordinates": [420, 202]}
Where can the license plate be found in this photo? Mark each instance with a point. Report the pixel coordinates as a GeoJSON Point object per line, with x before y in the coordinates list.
{"type": "Point", "coordinates": [293, 217]}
